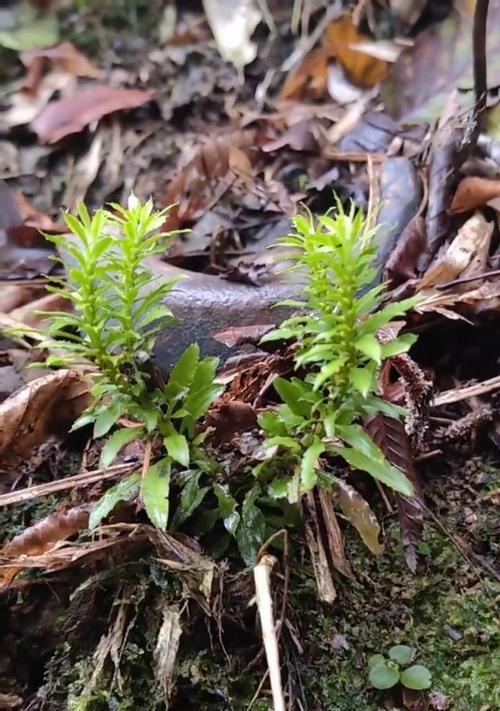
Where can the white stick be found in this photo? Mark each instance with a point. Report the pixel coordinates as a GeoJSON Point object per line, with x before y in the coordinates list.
{"type": "Point", "coordinates": [262, 578]}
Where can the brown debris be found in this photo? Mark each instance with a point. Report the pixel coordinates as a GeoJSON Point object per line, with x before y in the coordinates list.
{"type": "Point", "coordinates": [72, 114]}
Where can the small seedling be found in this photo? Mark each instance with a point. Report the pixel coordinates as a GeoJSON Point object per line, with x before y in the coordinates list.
{"type": "Point", "coordinates": [338, 354]}
{"type": "Point", "coordinates": [119, 309]}
{"type": "Point", "coordinates": [398, 668]}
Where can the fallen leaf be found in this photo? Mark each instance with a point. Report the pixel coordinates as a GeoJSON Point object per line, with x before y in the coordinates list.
{"type": "Point", "coordinates": [63, 117]}
{"type": "Point", "coordinates": [334, 538]}
{"type": "Point", "coordinates": [231, 418]}
{"type": "Point", "coordinates": [403, 260]}
{"type": "Point", "coordinates": [238, 335]}
{"type": "Point", "coordinates": [48, 405]}
{"type": "Point", "coordinates": [233, 23]}
{"type": "Point", "coordinates": [64, 57]}
{"type": "Point", "coordinates": [473, 192]}
{"type": "Point", "coordinates": [41, 537]}
{"type": "Point", "coordinates": [439, 701]}
{"type": "Point", "coordinates": [339, 42]}
{"type": "Point", "coordinates": [298, 137]}
{"type": "Point", "coordinates": [389, 434]}
{"type": "Point", "coordinates": [358, 512]}
{"type": "Point", "coordinates": [465, 256]}
{"type": "Point", "coordinates": [216, 163]}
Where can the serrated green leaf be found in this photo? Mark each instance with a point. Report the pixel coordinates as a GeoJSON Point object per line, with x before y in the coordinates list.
{"type": "Point", "coordinates": [402, 654]}
{"type": "Point", "coordinates": [178, 448]}
{"type": "Point", "coordinates": [416, 677]}
{"type": "Point", "coordinates": [370, 347]}
{"type": "Point", "coordinates": [295, 394]}
{"type": "Point", "coordinates": [402, 344]}
{"type": "Point", "coordinates": [251, 531]}
{"type": "Point", "coordinates": [116, 442]}
{"type": "Point", "coordinates": [155, 492]}
{"type": "Point", "coordinates": [362, 380]}
{"type": "Point", "coordinates": [184, 371]}
{"type": "Point", "coordinates": [309, 465]}
{"type": "Point", "coordinates": [106, 419]}
{"type": "Point", "coordinates": [383, 677]}
{"type": "Point", "coordinates": [125, 490]}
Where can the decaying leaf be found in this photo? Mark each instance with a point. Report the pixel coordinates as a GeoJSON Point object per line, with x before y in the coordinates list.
{"type": "Point", "coordinates": [358, 512]}
{"type": "Point", "coordinates": [231, 418]}
{"type": "Point", "coordinates": [472, 192]}
{"type": "Point", "coordinates": [41, 537]}
{"type": "Point", "coordinates": [242, 334]}
{"type": "Point", "coordinates": [392, 439]}
{"type": "Point", "coordinates": [339, 42]}
{"type": "Point", "coordinates": [465, 256]}
{"type": "Point", "coordinates": [72, 114]}
{"type": "Point", "coordinates": [233, 23]}
{"type": "Point", "coordinates": [48, 405]}
{"type": "Point", "coordinates": [324, 581]}
{"type": "Point", "coordinates": [64, 57]}
{"type": "Point", "coordinates": [167, 646]}
{"type": "Point", "coordinates": [216, 164]}
{"type": "Point", "coordinates": [411, 245]}
{"type": "Point", "coordinates": [334, 534]}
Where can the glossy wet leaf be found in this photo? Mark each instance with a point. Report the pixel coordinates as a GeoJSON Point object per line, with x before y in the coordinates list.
{"type": "Point", "coordinates": [251, 531]}
{"type": "Point", "coordinates": [228, 508]}
{"type": "Point", "coordinates": [191, 497]}
{"type": "Point", "coordinates": [155, 492]}
{"type": "Point", "coordinates": [178, 448]}
{"type": "Point", "coordinates": [309, 465]}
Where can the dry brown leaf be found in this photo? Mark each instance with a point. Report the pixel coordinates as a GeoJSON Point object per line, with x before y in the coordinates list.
{"type": "Point", "coordinates": [358, 512]}
{"type": "Point", "coordinates": [48, 405]}
{"type": "Point", "coordinates": [64, 57]}
{"type": "Point", "coordinates": [72, 114]}
{"type": "Point", "coordinates": [30, 313]}
{"type": "Point", "coordinates": [339, 43]}
{"type": "Point", "coordinates": [219, 159]}
{"type": "Point", "coordinates": [467, 252]}
{"type": "Point", "coordinates": [41, 537]}
{"type": "Point", "coordinates": [473, 192]}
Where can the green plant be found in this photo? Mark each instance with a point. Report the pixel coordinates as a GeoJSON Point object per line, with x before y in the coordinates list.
{"type": "Point", "coordinates": [398, 668]}
{"type": "Point", "coordinates": [118, 310]}
{"type": "Point", "coordinates": [339, 355]}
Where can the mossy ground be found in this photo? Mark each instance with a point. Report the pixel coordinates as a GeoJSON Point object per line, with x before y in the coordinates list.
{"type": "Point", "coordinates": [447, 611]}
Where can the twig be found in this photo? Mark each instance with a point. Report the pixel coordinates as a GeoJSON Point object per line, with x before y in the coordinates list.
{"type": "Point", "coordinates": [479, 58]}
{"type": "Point", "coordinates": [467, 280]}
{"type": "Point", "coordinates": [457, 394]}
{"type": "Point", "coordinates": [33, 492]}
{"type": "Point", "coordinates": [262, 578]}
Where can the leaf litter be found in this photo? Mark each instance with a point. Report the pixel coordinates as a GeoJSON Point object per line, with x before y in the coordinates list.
{"type": "Point", "coordinates": [173, 119]}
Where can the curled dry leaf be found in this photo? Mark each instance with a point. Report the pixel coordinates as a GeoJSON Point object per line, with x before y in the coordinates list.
{"type": "Point", "coordinates": [466, 256]}
{"type": "Point", "coordinates": [340, 40]}
{"type": "Point", "coordinates": [64, 57]}
{"type": "Point", "coordinates": [48, 405]}
{"type": "Point", "coordinates": [473, 192]}
{"type": "Point", "coordinates": [239, 335]}
{"type": "Point", "coordinates": [41, 537]}
{"type": "Point", "coordinates": [72, 114]}
{"type": "Point", "coordinates": [358, 512]}
{"type": "Point", "coordinates": [412, 244]}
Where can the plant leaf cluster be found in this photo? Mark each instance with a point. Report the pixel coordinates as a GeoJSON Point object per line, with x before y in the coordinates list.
{"type": "Point", "coordinates": [385, 673]}
{"type": "Point", "coordinates": [338, 356]}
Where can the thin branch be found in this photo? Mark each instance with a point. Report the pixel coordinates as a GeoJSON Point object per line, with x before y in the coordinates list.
{"type": "Point", "coordinates": [479, 57]}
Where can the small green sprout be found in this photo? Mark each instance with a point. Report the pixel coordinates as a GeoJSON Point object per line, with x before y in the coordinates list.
{"type": "Point", "coordinates": [398, 668]}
